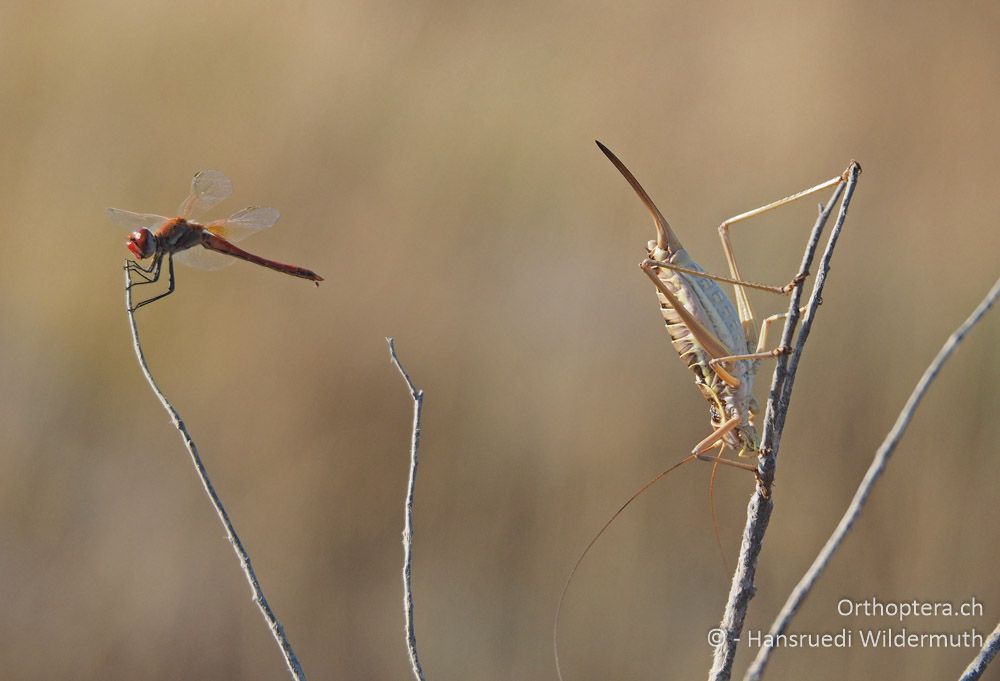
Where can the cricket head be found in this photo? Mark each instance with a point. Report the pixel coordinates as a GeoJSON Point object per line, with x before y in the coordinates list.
{"type": "Point", "coordinates": [745, 433]}
{"type": "Point", "coordinates": [142, 243]}
{"type": "Point", "coordinates": [743, 437]}
{"type": "Point", "coordinates": [747, 440]}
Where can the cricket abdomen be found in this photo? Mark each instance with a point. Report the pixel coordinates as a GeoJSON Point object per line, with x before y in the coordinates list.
{"type": "Point", "coordinates": [704, 299]}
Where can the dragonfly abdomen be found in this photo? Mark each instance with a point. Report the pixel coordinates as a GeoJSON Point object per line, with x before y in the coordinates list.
{"type": "Point", "coordinates": [216, 243]}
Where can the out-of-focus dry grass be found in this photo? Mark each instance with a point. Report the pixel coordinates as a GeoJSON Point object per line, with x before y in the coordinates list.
{"type": "Point", "coordinates": [435, 163]}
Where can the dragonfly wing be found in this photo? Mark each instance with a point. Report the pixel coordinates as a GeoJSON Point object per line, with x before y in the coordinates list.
{"type": "Point", "coordinates": [244, 223]}
{"type": "Point", "coordinates": [203, 259]}
{"type": "Point", "coordinates": [207, 188]}
{"type": "Point", "coordinates": [135, 221]}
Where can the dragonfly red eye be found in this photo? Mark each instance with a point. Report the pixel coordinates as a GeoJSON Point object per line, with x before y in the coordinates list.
{"type": "Point", "coordinates": [140, 244]}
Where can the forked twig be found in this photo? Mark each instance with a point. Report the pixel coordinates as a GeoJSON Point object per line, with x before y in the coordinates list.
{"type": "Point", "coordinates": [418, 404]}
{"type": "Point", "coordinates": [759, 509]}
{"type": "Point", "coordinates": [983, 659]}
{"type": "Point", "coordinates": [277, 630]}
{"type": "Point", "coordinates": [875, 470]}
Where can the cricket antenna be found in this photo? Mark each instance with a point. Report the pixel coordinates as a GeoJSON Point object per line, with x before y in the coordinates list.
{"type": "Point", "coordinates": [600, 533]}
{"type": "Point", "coordinates": [715, 517]}
{"type": "Point", "coordinates": [666, 239]}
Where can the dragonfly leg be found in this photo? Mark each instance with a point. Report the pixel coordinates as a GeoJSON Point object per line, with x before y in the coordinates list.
{"type": "Point", "coordinates": [742, 302]}
{"type": "Point", "coordinates": [147, 274]}
{"type": "Point", "coordinates": [170, 284]}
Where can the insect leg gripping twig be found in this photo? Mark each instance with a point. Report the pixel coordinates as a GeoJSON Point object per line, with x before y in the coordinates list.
{"type": "Point", "coordinates": [154, 270]}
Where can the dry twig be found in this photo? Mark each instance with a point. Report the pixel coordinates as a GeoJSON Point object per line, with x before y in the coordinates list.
{"type": "Point", "coordinates": [277, 630]}
{"type": "Point", "coordinates": [875, 470]}
{"type": "Point", "coordinates": [418, 403]}
{"type": "Point", "coordinates": [983, 659]}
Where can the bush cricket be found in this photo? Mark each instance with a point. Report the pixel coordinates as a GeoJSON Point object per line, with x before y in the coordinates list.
{"type": "Point", "coordinates": [718, 341]}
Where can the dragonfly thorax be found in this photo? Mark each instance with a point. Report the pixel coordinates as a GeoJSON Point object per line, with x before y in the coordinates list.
{"type": "Point", "coordinates": [142, 243]}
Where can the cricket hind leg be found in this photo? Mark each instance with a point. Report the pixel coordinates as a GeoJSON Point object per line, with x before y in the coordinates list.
{"type": "Point", "coordinates": [742, 301]}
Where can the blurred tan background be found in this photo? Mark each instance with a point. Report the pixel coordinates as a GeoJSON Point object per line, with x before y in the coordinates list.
{"type": "Point", "coordinates": [435, 162]}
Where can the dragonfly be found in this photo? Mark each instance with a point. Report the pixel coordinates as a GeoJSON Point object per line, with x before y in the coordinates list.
{"type": "Point", "coordinates": [199, 245]}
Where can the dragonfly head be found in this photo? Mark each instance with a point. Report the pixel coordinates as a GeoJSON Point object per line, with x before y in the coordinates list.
{"type": "Point", "coordinates": [142, 243]}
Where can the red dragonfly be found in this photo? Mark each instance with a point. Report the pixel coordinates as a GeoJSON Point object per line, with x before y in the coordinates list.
{"type": "Point", "coordinates": [156, 236]}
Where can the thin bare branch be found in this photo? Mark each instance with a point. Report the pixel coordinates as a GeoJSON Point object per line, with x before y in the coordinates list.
{"type": "Point", "coordinates": [418, 404]}
{"type": "Point", "coordinates": [761, 505]}
{"type": "Point", "coordinates": [875, 470]}
{"type": "Point", "coordinates": [983, 659]}
{"type": "Point", "coordinates": [277, 630]}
